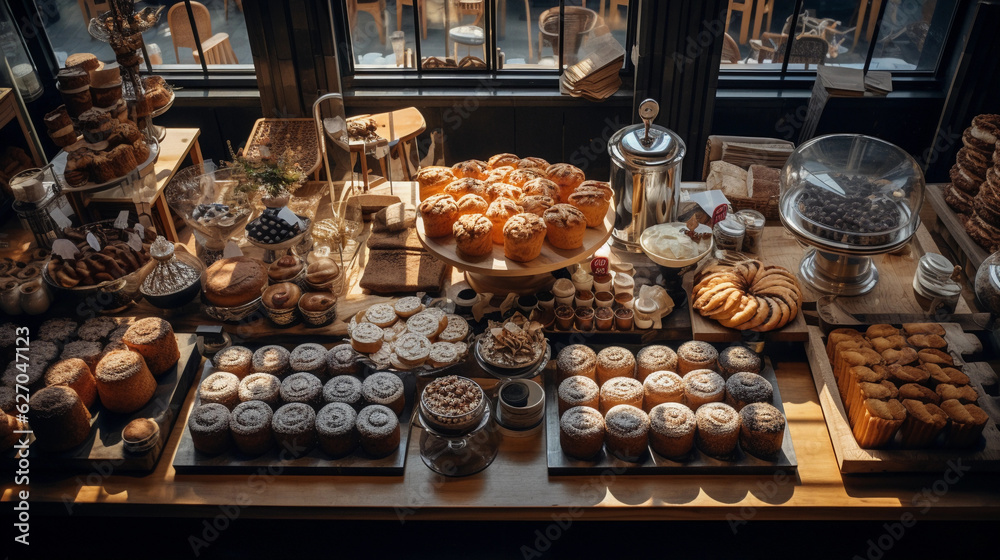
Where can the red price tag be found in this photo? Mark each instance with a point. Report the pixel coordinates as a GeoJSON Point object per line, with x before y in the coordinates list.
{"type": "Point", "coordinates": [719, 214]}
{"type": "Point", "coordinates": [599, 266]}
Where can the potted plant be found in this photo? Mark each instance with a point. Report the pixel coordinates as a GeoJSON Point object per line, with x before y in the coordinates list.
{"type": "Point", "coordinates": [273, 178]}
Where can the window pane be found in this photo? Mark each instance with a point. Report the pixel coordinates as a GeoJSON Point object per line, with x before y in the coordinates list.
{"type": "Point", "coordinates": [912, 35]}
{"type": "Point", "coordinates": [380, 28]}
{"type": "Point", "coordinates": [518, 34]}
{"type": "Point", "coordinates": [455, 30]}
{"type": "Point", "coordinates": [754, 33]}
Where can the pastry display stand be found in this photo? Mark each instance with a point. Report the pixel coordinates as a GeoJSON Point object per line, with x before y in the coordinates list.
{"type": "Point", "coordinates": [159, 132]}
{"type": "Point", "coordinates": [499, 275]}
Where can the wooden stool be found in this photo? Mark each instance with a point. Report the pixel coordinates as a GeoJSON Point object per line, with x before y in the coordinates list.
{"type": "Point", "coordinates": [470, 36]}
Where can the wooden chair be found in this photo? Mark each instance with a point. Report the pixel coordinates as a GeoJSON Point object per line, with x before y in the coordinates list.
{"type": "Point", "coordinates": [374, 7]}
{"type": "Point", "coordinates": [217, 49]}
{"type": "Point", "coordinates": [423, 15]}
{"type": "Point", "coordinates": [806, 49]}
{"type": "Point", "coordinates": [747, 8]}
{"type": "Point", "coordinates": [863, 5]}
{"type": "Point", "coordinates": [730, 50]}
{"type": "Point", "coordinates": [225, 7]}
{"type": "Point", "coordinates": [577, 23]}
{"type": "Point", "coordinates": [475, 8]}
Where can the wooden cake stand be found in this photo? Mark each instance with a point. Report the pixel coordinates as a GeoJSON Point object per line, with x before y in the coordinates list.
{"type": "Point", "coordinates": [497, 274]}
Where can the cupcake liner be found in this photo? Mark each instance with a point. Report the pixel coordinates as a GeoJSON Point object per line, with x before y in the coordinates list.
{"type": "Point", "coordinates": [963, 435]}
{"type": "Point", "coordinates": [915, 433]}
{"type": "Point", "coordinates": [871, 432]}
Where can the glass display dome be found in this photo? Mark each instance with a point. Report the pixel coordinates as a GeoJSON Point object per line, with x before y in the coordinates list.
{"type": "Point", "coordinates": [850, 197]}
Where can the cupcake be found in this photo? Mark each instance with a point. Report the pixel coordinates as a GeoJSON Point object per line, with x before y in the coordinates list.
{"type": "Point", "coordinates": [250, 426]}
{"type": "Point", "coordinates": [89, 352]}
{"type": "Point", "coordinates": [59, 419]}
{"type": "Point", "coordinates": [703, 386]}
{"type": "Point", "coordinates": [922, 425]}
{"type": "Point", "coordinates": [967, 423]}
{"type": "Point", "coordinates": [578, 391]}
{"type": "Point", "coordinates": [672, 428]}
{"type": "Point", "coordinates": [762, 429]}
{"type": "Point", "coordinates": [208, 425]}
{"type": "Point", "coordinates": [576, 359]}
{"type": "Point", "coordinates": [581, 432]}
{"type": "Point", "coordinates": [655, 358]}
{"type": "Point", "coordinates": [335, 429]}
{"type": "Point", "coordinates": [718, 429]}
{"type": "Point", "coordinates": [523, 235]}
{"type": "Point", "coordinates": [498, 212]}
{"type": "Point", "coordinates": [568, 177]}
{"type": "Point", "coordinates": [662, 387]}
{"type": "Point", "coordinates": [519, 177]}
{"type": "Point", "coordinates": [461, 188]}
{"type": "Point", "coordinates": [696, 355]}
{"type": "Point", "coordinates": [565, 226]}
{"type": "Point", "coordinates": [541, 187]}
{"type": "Point", "coordinates": [500, 189]}
{"type": "Point", "coordinates": [294, 428]}
{"type": "Point", "coordinates": [384, 389]}
{"type": "Point", "coordinates": [439, 212]}
{"type": "Point", "coordinates": [378, 429]}
{"type": "Point", "coordinates": [220, 387]}
{"type": "Point", "coordinates": [537, 205]}
{"type": "Point", "coordinates": [627, 432]}
{"type": "Point", "coordinates": [344, 389]}
{"type": "Point", "coordinates": [309, 358]}
{"type": "Point", "coordinates": [262, 387]}
{"type": "Point", "coordinates": [744, 388]}
{"type": "Point", "coordinates": [620, 390]}
{"type": "Point", "coordinates": [737, 359]}
{"type": "Point", "coordinates": [154, 339]}
{"type": "Point", "coordinates": [237, 360]}
{"type": "Point", "coordinates": [614, 361]}
{"type": "Point", "coordinates": [303, 388]}
{"type": "Point", "coordinates": [124, 383]}
{"type": "Point", "coordinates": [473, 235]}
{"type": "Point", "coordinates": [877, 422]}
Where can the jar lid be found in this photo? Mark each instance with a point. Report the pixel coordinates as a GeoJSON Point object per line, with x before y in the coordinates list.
{"type": "Point", "coordinates": [515, 394]}
{"type": "Point", "coordinates": [647, 145]}
{"type": "Point", "coordinates": [936, 264]}
{"type": "Point", "coordinates": [731, 226]}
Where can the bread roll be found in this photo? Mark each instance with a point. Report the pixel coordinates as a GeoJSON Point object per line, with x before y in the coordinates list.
{"type": "Point", "coordinates": [234, 281]}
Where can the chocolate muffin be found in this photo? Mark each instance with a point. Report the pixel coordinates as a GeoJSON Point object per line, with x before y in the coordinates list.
{"type": "Point", "coordinates": [209, 428]}
{"type": "Point", "coordinates": [762, 429]}
{"type": "Point", "coordinates": [737, 359]}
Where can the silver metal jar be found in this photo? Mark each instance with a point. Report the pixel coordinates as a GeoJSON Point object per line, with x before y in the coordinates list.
{"type": "Point", "coordinates": [645, 176]}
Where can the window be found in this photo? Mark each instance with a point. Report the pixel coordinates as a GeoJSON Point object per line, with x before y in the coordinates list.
{"type": "Point", "coordinates": [170, 43]}
{"type": "Point", "coordinates": [412, 36]}
{"type": "Point", "coordinates": [910, 35]}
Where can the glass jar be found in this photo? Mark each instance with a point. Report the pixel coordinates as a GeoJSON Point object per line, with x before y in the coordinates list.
{"type": "Point", "coordinates": [729, 234]}
{"type": "Point", "coordinates": [460, 455]}
{"type": "Point", "coordinates": [35, 297]}
{"type": "Point", "coordinates": [753, 221]}
{"type": "Point", "coordinates": [988, 284]}
{"type": "Point", "coordinates": [934, 286]}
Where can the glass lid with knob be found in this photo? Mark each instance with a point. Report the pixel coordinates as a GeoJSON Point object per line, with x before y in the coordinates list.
{"type": "Point", "coordinates": [851, 193]}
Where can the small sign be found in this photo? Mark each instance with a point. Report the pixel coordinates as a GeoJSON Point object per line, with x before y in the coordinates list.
{"type": "Point", "coordinates": [140, 230]}
{"type": "Point", "coordinates": [93, 242]}
{"type": "Point", "coordinates": [134, 242]}
{"type": "Point", "coordinates": [599, 266]}
{"type": "Point", "coordinates": [59, 218]}
{"type": "Point", "coordinates": [289, 216]}
{"type": "Point", "coordinates": [719, 214]}
{"type": "Point", "coordinates": [232, 250]}
{"type": "Point", "coordinates": [64, 248]}
{"type": "Point", "coordinates": [121, 222]}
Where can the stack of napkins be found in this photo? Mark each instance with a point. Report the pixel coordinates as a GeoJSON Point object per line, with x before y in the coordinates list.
{"type": "Point", "coordinates": [745, 154]}
{"type": "Point", "coordinates": [596, 76]}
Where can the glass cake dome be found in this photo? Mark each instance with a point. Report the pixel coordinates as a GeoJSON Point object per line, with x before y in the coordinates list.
{"type": "Point", "coordinates": [851, 197]}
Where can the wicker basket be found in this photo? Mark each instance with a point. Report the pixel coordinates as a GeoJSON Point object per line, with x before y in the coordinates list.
{"type": "Point", "coordinates": [766, 206]}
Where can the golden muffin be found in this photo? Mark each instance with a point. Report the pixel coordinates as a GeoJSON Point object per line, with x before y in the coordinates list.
{"type": "Point", "coordinates": [498, 175]}
{"type": "Point", "coordinates": [433, 180]}
{"type": "Point", "coordinates": [501, 210]}
{"type": "Point", "coordinates": [523, 235]}
{"type": "Point", "coordinates": [519, 177]}
{"type": "Point", "coordinates": [474, 235]}
{"type": "Point", "coordinates": [473, 169]}
{"type": "Point", "coordinates": [502, 190]}
{"type": "Point", "coordinates": [472, 204]}
{"type": "Point", "coordinates": [439, 213]}
{"type": "Point", "coordinates": [592, 203]}
{"type": "Point", "coordinates": [536, 204]}
{"type": "Point", "coordinates": [461, 187]}
{"type": "Point", "coordinates": [541, 187]}
{"type": "Point", "coordinates": [567, 176]}
{"type": "Point", "coordinates": [565, 226]}
{"type": "Point", "coordinates": [502, 160]}
{"type": "Point", "coordinates": [533, 163]}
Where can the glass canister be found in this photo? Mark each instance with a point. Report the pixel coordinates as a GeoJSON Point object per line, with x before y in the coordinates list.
{"type": "Point", "coordinates": [754, 223]}
{"type": "Point", "coordinates": [729, 235]}
{"type": "Point", "coordinates": [36, 213]}
{"type": "Point", "coordinates": [645, 176]}
{"type": "Point", "coordinates": [987, 284]}
{"type": "Point", "coordinates": [935, 286]}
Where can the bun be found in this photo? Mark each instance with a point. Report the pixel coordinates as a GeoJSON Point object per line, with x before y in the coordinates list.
{"type": "Point", "coordinates": [473, 169]}
{"type": "Point", "coordinates": [592, 203]}
{"type": "Point", "coordinates": [321, 271]}
{"type": "Point", "coordinates": [566, 226]}
{"type": "Point", "coordinates": [502, 190]}
{"type": "Point", "coordinates": [536, 204]}
{"type": "Point", "coordinates": [284, 269]}
{"type": "Point", "coordinates": [523, 236]}
{"type": "Point", "coordinates": [433, 180]}
{"type": "Point", "coordinates": [234, 281]}
{"type": "Point", "coordinates": [519, 177]}
{"type": "Point", "coordinates": [461, 187]}
{"type": "Point", "coordinates": [439, 212]}
{"type": "Point", "coordinates": [533, 163]}
{"type": "Point", "coordinates": [472, 204]}
{"type": "Point", "coordinates": [501, 160]}
{"type": "Point", "coordinates": [474, 235]}
{"type": "Point", "coordinates": [282, 296]}
{"type": "Point", "coordinates": [317, 301]}
{"type": "Point", "coordinates": [501, 210]}
{"type": "Point", "coordinates": [541, 187]}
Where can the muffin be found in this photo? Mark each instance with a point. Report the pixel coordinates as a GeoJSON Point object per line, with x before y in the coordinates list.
{"type": "Point", "coordinates": [744, 388]}
{"type": "Point", "coordinates": [89, 352]}
{"type": "Point", "coordinates": [96, 329]}
{"type": "Point", "coordinates": [498, 190]}
{"type": "Point", "coordinates": [294, 428]}
{"type": "Point", "coordinates": [537, 205]}
{"type": "Point", "coordinates": [498, 174]}
{"type": "Point", "coordinates": [672, 429]}
{"type": "Point", "coordinates": [627, 432]}
{"type": "Point", "coordinates": [208, 425]}
{"type": "Point", "coordinates": [966, 426]}
{"type": "Point", "coordinates": [343, 359]}
{"type": "Point", "coordinates": [877, 422]}
{"type": "Point", "coordinates": [220, 387]}
{"type": "Point", "coordinates": [271, 359]}
{"type": "Point", "coordinates": [601, 187]}
{"type": "Point", "coordinates": [154, 339]}
{"type": "Point", "coordinates": [614, 361]}
{"type": "Point", "coordinates": [503, 160]}
{"type": "Point", "coordinates": [335, 429]}
{"type": "Point", "coordinates": [703, 386]}
{"type": "Point", "coordinates": [568, 177]}
{"type": "Point", "coordinates": [472, 204]}
{"type": "Point", "coordinates": [578, 391]}
{"type": "Point", "coordinates": [499, 212]}
{"type": "Point", "coordinates": [718, 429]}
{"type": "Point", "coordinates": [882, 391]}
{"type": "Point", "coordinates": [286, 269]}
{"type": "Point", "coordinates": [344, 389]}
{"type": "Point", "coordinates": [565, 226]}
{"type": "Point", "coordinates": [519, 176]}
{"type": "Point", "coordinates": [378, 429]}
{"type": "Point", "coordinates": [581, 432]}
{"type": "Point", "coordinates": [237, 360]}
{"type": "Point", "coordinates": [592, 204]}
{"type": "Point", "coordinates": [262, 387]}
{"type": "Point", "coordinates": [762, 429]}
{"type": "Point", "coordinates": [922, 425]}
{"type": "Point", "coordinates": [474, 235]}
{"type": "Point", "coordinates": [735, 359]}
{"type": "Point", "coordinates": [662, 387]}
{"type": "Point", "coordinates": [75, 374]}
{"type": "Point", "coordinates": [433, 180]}
{"type": "Point", "coordinates": [59, 419]}
{"type": "Point", "coordinates": [303, 388]}
{"type": "Point", "coordinates": [576, 360]}
{"type": "Point", "coordinates": [523, 236]}
{"type": "Point", "coordinates": [57, 330]}
{"type": "Point", "coordinates": [439, 213]}
{"type": "Point", "coordinates": [473, 168]}
{"type": "Point", "coordinates": [696, 355]}
{"type": "Point", "coordinates": [964, 394]}
{"type": "Point", "coordinates": [620, 390]}
{"type": "Point", "coordinates": [655, 358]}
{"type": "Point", "coordinates": [532, 162]}
{"type": "Point", "coordinates": [915, 392]}
{"type": "Point", "coordinates": [384, 389]}
{"type": "Point", "coordinates": [124, 382]}
{"type": "Point", "coordinates": [250, 427]}
{"type": "Point", "coordinates": [541, 187]}
{"type": "Point", "coordinates": [309, 358]}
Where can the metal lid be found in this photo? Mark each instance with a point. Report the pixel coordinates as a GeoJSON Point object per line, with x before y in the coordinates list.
{"type": "Point", "coordinates": [647, 145]}
{"type": "Point", "coordinates": [731, 226]}
{"type": "Point", "coordinates": [937, 264]}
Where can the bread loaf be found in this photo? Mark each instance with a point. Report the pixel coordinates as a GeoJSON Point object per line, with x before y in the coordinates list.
{"type": "Point", "coordinates": [234, 281]}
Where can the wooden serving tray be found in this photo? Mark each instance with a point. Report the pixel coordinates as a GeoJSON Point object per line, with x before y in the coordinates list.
{"type": "Point", "coordinates": [104, 448]}
{"type": "Point", "coordinates": [851, 458]}
{"type": "Point", "coordinates": [653, 463]}
{"type": "Point", "coordinates": [188, 460]}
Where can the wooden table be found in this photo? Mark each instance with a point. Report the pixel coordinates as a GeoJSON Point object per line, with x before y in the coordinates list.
{"type": "Point", "coordinates": [517, 487]}
{"type": "Point", "coordinates": [178, 145]}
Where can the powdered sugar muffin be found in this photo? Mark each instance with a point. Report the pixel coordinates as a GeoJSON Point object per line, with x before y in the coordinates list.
{"type": "Point", "coordinates": [502, 160]}
{"type": "Point", "coordinates": [718, 428]}
{"type": "Point", "coordinates": [655, 358]}
{"type": "Point", "coordinates": [473, 235]}
{"type": "Point", "coordinates": [250, 426]}
{"type": "Point", "coordinates": [703, 386]}
{"type": "Point", "coordinates": [672, 428]}
{"type": "Point", "coordinates": [304, 388]}
{"type": "Point", "coordinates": [499, 211]}
{"type": "Point", "coordinates": [565, 226]}
{"type": "Point", "coordinates": [294, 427]}
{"type": "Point", "coordinates": [367, 338]}
{"type": "Point", "coordinates": [541, 187]}
{"type": "Point", "coordinates": [237, 360]}
{"type": "Point", "coordinates": [627, 432]}
{"type": "Point", "coordinates": [344, 389]}
{"type": "Point", "coordinates": [533, 163]}
{"type": "Point", "coordinates": [536, 204]}
{"type": "Point", "coordinates": [523, 235]}
{"type": "Point", "coordinates": [271, 359]}
{"type": "Point", "coordinates": [614, 361]}
{"type": "Point", "coordinates": [335, 427]}
{"type": "Point", "coordinates": [439, 212]}
{"type": "Point", "coordinates": [621, 390]}
{"type": "Point", "coordinates": [309, 358]}
{"type": "Point", "coordinates": [576, 359]}
{"type": "Point", "coordinates": [519, 176]}
{"type": "Point", "coordinates": [567, 176]}
{"type": "Point", "coordinates": [408, 306]}
{"type": "Point", "coordinates": [220, 387]}
{"type": "Point", "coordinates": [343, 359]}
{"type": "Point", "coordinates": [473, 168]}
{"type": "Point", "coordinates": [378, 428]}
{"type": "Point", "coordinates": [578, 391]}
{"type": "Point", "coordinates": [662, 387]}
{"type": "Point", "coordinates": [262, 387]}
{"type": "Point", "coordinates": [581, 432]}
{"type": "Point", "coordinates": [502, 190]}
{"type": "Point", "coordinates": [694, 355]}
{"type": "Point", "coordinates": [386, 389]}
{"type": "Point", "coordinates": [433, 180]}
